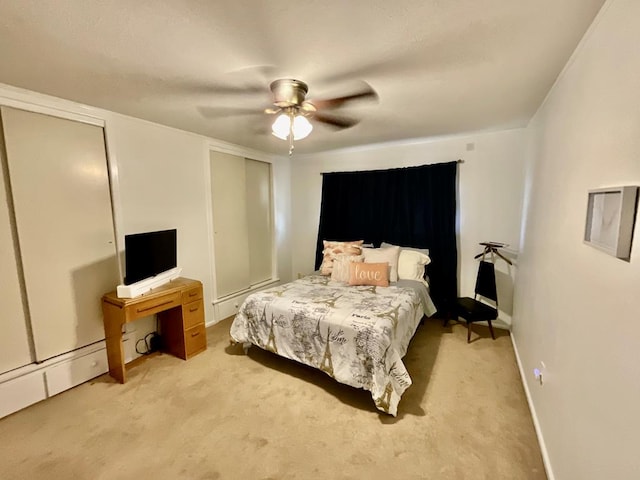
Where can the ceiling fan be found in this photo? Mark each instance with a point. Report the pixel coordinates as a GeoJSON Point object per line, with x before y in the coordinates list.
{"type": "Point", "coordinates": [289, 94]}
{"type": "Point", "coordinates": [294, 111]}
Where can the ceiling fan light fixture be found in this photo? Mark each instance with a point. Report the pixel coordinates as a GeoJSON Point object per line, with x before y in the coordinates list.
{"type": "Point", "coordinates": [301, 127]}
{"type": "Point", "coordinates": [281, 128]}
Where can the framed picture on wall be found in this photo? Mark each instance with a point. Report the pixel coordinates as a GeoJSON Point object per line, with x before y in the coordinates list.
{"type": "Point", "coordinates": [610, 221]}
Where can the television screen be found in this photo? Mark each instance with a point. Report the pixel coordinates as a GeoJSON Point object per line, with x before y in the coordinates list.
{"type": "Point", "coordinates": [148, 254]}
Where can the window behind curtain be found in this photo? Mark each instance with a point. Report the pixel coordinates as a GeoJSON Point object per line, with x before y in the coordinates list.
{"type": "Point", "coordinates": [411, 207]}
{"type": "Point", "coordinates": [242, 222]}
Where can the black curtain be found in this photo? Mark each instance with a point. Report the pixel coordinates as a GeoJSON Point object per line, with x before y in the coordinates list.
{"type": "Point", "coordinates": [411, 207]}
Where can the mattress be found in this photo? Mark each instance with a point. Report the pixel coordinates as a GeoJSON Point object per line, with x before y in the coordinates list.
{"type": "Point", "coordinates": [356, 334]}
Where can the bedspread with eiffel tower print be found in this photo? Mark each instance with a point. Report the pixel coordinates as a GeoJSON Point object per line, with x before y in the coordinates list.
{"type": "Point", "coordinates": [356, 334]}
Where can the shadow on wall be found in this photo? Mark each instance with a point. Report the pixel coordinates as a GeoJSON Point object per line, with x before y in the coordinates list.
{"type": "Point", "coordinates": [504, 280]}
{"type": "Point", "coordinates": [89, 283]}
{"type": "Point", "coordinates": [504, 284]}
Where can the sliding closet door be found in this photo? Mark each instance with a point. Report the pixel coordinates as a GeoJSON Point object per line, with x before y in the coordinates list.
{"type": "Point", "coordinates": [14, 339]}
{"type": "Point", "coordinates": [231, 246]}
{"type": "Point", "coordinates": [259, 223]}
{"type": "Point", "coordinates": [60, 186]}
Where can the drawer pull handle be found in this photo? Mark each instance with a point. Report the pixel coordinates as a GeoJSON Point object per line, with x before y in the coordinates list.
{"type": "Point", "coordinates": [195, 334]}
{"type": "Point", "coordinates": [194, 309]}
{"type": "Point", "coordinates": [193, 294]}
{"type": "Point", "coordinates": [140, 310]}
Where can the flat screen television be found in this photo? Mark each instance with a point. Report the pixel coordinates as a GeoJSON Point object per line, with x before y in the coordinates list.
{"type": "Point", "coordinates": [148, 254]}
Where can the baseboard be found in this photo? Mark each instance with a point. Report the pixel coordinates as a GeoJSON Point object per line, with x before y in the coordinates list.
{"type": "Point", "coordinates": [499, 323]}
{"type": "Point", "coordinates": [228, 306]}
{"type": "Point", "coordinates": [534, 416]}
{"type": "Point", "coordinates": [215, 322]}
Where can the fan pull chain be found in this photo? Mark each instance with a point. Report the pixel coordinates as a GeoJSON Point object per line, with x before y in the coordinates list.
{"type": "Point", "coordinates": [291, 133]}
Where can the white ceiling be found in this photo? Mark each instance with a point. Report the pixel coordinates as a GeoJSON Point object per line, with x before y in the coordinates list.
{"type": "Point", "coordinates": [439, 66]}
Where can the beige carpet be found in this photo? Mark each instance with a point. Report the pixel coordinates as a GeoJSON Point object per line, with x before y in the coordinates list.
{"type": "Point", "coordinates": [223, 415]}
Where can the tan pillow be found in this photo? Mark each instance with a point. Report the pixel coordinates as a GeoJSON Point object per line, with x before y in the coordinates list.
{"type": "Point", "coordinates": [379, 255]}
{"type": "Point", "coordinates": [331, 249]}
{"type": "Point", "coordinates": [369, 274]}
{"type": "Point", "coordinates": [340, 272]}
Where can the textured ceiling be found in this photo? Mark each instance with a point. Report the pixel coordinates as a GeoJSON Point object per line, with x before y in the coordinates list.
{"type": "Point", "coordinates": [439, 66]}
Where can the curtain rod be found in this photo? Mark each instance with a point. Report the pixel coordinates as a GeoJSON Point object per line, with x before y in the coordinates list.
{"type": "Point", "coordinates": [460, 160]}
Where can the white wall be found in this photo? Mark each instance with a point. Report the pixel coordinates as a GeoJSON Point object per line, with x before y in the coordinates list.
{"type": "Point", "coordinates": [490, 184]}
{"type": "Point", "coordinates": [576, 307]}
{"type": "Point", "coordinates": [160, 180]}
{"type": "Point", "coordinates": [163, 181]}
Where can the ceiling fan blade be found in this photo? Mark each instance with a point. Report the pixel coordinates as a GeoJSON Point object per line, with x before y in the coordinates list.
{"type": "Point", "coordinates": [262, 73]}
{"type": "Point", "coordinates": [216, 112]}
{"type": "Point", "coordinates": [212, 88]}
{"type": "Point", "coordinates": [246, 81]}
{"type": "Point", "coordinates": [365, 93]}
{"type": "Point", "coordinates": [252, 79]}
{"type": "Point", "coordinates": [335, 121]}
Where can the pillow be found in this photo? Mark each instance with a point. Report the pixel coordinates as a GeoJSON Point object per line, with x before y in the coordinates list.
{"type": "Point", "coordinates": [331, 249]}
{"type": "Point", "coordinates": [421, 250]}
{"type": "Point", "coordinates": [379, 255]}
{"type": "Point", "coordinates": [369, 274]}
{"type": "Point", "coordinates": [340, 271]}
{"type": "Point", "coordinates": [411, 265]}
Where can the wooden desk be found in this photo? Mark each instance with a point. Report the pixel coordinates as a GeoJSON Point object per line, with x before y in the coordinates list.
{"type": "Point", "coordinates": [180, 309]}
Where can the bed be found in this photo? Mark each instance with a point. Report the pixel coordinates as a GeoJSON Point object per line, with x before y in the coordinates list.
{"type": "Point", "coordinates": [356, 334]}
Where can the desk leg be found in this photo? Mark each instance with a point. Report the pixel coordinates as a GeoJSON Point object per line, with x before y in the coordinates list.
{"type": "Point", "coordinates": [113, 322]}
{"type": "Point", "coordinates": [115, 356]}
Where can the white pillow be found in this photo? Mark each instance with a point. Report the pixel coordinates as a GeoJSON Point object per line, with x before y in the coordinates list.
{"type": "Point", "coordinates": [421, 250]}
{"type": "Point", "coordinates": [381, 255]}
{"type": "Point", "coordinates": [340, 270]}
{"type": "Point", "coordinates": [411, 265]}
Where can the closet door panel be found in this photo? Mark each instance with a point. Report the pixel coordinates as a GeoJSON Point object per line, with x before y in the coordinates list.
{"type": "Point", "coordinates": [14, 340]}
{"type": "Point", "coordinates": [258, 192]}
{"type": "Point", "coordinates": [231, 247]}
{"type": "Point", "coordinates": [62, 202]}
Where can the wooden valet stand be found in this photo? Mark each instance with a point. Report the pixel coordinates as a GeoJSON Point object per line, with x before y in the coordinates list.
{"type": "Point", "coordinates": [491, 248]}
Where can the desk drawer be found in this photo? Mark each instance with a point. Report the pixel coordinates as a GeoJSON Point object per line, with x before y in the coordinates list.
{"type": "Point", "coordinates": [154, 305]}
{"type": "Point", "coordinates": [193, 314]}
{"type": "Point", "coordinates": [192, 294]}
{"type": "Point", "coordinates": [195, 340]}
